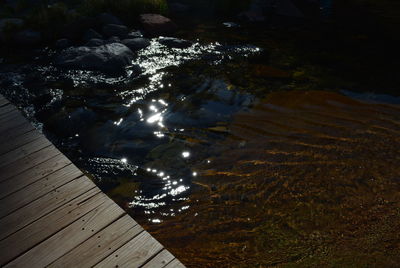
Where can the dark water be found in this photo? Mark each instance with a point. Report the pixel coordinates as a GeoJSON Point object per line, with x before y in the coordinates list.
{"type": "Point", "coordinates": [258, 146]}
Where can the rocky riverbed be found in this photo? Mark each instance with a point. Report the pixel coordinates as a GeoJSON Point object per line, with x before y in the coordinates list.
{"type": "Point", "coordinates": [264, 138]}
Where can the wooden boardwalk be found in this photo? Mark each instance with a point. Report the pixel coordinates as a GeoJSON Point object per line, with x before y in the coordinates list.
{"type": "Point", "coordinates": [52, 215]}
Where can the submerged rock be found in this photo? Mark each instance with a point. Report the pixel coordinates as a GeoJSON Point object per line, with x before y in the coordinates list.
{"type": "Point", "coordinates": [134, 34]}
{"type": "Point", "coordinates": [136, 43]}
{"type": "Point", "coordinates": [155, 24]}
{"type": "Point", "coordinates": [110, 58]}
{"type": "Point", "coordinates": [172, 42]}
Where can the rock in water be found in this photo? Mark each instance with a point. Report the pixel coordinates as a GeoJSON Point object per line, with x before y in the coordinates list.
{"type": "Point", "coordinates": [136, 44]}
{"type": "Point", "coordinates": [155, 24]}
{"type": "Point", "coordinates": [115, 30]}
{"type": "Point", "coordinates": [172, 42]}
{"type": "Point", "coordinates": [110, 58]}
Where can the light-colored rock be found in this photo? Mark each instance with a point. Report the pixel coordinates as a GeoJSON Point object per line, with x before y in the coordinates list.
{"type": "Point", "coordinates": [155, 24]}
{"type": "Point", "coordinates": [109, 58]}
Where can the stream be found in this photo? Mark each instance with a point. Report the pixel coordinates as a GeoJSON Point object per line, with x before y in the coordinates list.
{"type": "Point", "coordinates": [254, 147]}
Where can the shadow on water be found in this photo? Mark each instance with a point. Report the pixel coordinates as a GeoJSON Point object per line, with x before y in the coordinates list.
{"type": "Point", "coordinates": [259, 145]}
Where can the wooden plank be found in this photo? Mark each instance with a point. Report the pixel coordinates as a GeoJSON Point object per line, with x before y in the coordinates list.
{"type": "Point", "coordinates": [160, 260]}
{"type": "Point", "coordinates": [32, 175]}
{"type": "Point", "coordinates": [9, 135]}
{"type": "Point", "coordinates": [7, 109]}
{"type": "Point", "coordinates": [9, 117]}
{"type": "Point", "coordinates": [46, 204]}
{"type": "Point", "coordinates": [66, 239]}
{"type": "Point", "coordinates": [40, 230]}
{"type": "Point", "coordinates": [8, 130]}
{"type": "Point", "coordinates": [101, 245]}
{"type": "Point", "coordinates": [38, 189]}
{"type": "Point", "coordinates": [24, 164]}
{"type": "Point", "coordinates": [175, 264]}
{"type": "Point", "coordinates": [3, 101]}
{"type": "Point", "coordinates": [23, 151]}
{"type": "Point", "coordinates": [18, 141]}
{"type": "Point", "coordinates": [134, 253]}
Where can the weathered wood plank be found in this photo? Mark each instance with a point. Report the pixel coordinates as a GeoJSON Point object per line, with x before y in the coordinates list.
{"type": "Point", "coordinates": [45, 227]}
{"type": "Point", "coordinates": [24, 164]}
{"type": "Point", "coordinates": [7, 109]}
{"type": "Point", "coordinates": [160, 260]}
{"type": "Point", "coordinates": [175, 264]}
{"type": "Point", "coordinates": [35, 190]}
{"type": "Point", "coordinates": [9, 117]}
{"type": "Point", "coordinates": [19, 125]}
{"type": "Point", "coordinates": [46, 204]}
{"type": "Point", "coordinates": [3, 101]}
{"type": "Point", "coordinates": [101, 245]}
{"type": "Point", "coordinates": [53, 215]}
{"type": "Point", "coordinates": [24, 151]}
{"type": "Point", "coordinates": [18, 141]}
{"type": "Point", "coordinates": [134, 253]}
{"type": "Point", "coordinates": [66, 239]}
{"type": "Point", "coordinates": [32, 175]}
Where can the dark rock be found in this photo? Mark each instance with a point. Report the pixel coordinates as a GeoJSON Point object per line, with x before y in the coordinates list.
{"type": "Point", "coordinates": [155, 24]}
{"type": "Point", "coordinates": [10, 22]}
{"type": "Point", "coordinates": [115, 30]}
{"type": "Point", "coordinates": [136, 43]}
{"type": "Point", "coordinates": [134, 34]}
{"type": "Point", "coordinates": [28, 38]}
{"type": "Point", "coordinates": [213, 188]}
{"type": "Point", "coordinates": [113, 39]}
{"type": "Point", "coordinates": [76, 29]}
{"type": "Point", "coordinates": [91, 34]}
{"type": "Point", "coordinates": [94, 42]}
{"type": "Point", "coordinates": [107, 18]}
{"type": "Point", "coordinates": [8, 25]}
{"type": "Point", "coordinates": [252, 16]}
{"type": "Point", "coordinates": [109, 58]}
{"type": "Point", "coordinates": [63, 43]}
{"type": "Point", "coordinates": [172, 42]}
{"type": "Point", "coordinates": [259, 9]}
{"type": "Point", "coordinates": [178, 7]}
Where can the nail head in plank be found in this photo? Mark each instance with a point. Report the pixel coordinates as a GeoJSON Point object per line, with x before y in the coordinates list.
{"type": "Point", "coordinates": [18, 141]}
{"type": "Point", "coordinates": [32, 175]}
{"type": "Point", "coordinates": [24, 151]}
{"type": "Point", "coordinates": [46, 204]}
{"type": "Point", "coordinates": [134, 253]}
{"type": "Point", "coordinates": [33, 234]}
{"type": "Point", "coordinates": [101, 245]}
{"type": "Point", "coordinates": [34, 191]}
{"type": "Point", "coordinates": [160, 260]}
{"type": "Point", "coordinates": [24, 164]}
{"type": "Point", "coordinates": [66, 239]}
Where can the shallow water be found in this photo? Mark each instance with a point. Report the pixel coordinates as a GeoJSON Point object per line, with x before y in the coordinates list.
{"type": "Point", "coordinates": [257, 146]}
